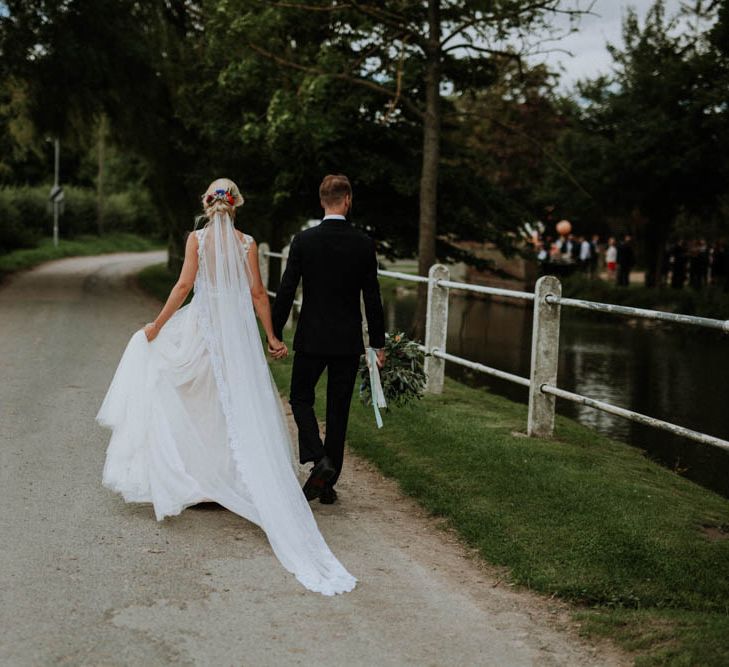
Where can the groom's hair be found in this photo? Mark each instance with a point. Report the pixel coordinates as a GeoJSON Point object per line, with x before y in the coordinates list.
{"type": "Point", "coordinates": [334, 188]}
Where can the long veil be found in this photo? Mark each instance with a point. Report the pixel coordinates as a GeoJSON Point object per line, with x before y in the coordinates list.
{"type": "Point", "coordinates": [257, 433]}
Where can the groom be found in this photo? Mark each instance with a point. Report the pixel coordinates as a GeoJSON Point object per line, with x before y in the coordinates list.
{"type": "Point", "coordinates": [336, 263]}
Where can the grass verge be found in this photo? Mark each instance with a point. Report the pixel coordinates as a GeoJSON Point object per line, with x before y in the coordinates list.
{"type": "Point", "coordinates": [17, 260]}
{"type": "Point", "coordinates": [641, 553]}
{"type": "Point", "coordinates": [581, 517]}
{"type": "Point", "coordinates": [157, 280]}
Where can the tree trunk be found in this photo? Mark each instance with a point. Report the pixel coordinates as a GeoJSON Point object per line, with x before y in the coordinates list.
{"type": "Point", "coordinates": [430, 162]}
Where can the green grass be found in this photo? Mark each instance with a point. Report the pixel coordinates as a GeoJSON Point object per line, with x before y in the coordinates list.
{"type": "Point", "coordinates": [157, 280]}
{"type": "Point", "coordinates": [17, 260]}
{"type": "Point", "coordinates": [662, 636]}
{"type": "Point", "coordinates": [582, 517]}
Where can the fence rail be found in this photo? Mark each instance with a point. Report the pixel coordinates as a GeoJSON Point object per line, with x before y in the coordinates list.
{"type": "Point", "coordinates": [476, 366]}
{"type": "Point", "coordinates": [483, 289]}
{"type": "Point", "coordinates": [542, 382]}
{"type": "Point", "coordinates": [403, 276]}
{"type": "Point", "coordinates": [614, 309]}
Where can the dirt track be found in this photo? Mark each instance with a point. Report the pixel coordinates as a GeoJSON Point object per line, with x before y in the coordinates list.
{"type": "Point", "coordinates": [88, 580]}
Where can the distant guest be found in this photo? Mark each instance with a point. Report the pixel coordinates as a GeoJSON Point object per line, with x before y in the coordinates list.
{"type": "Point", "coordinates": [595, 255]}
{"type": "Point", "coordinates": [720, 266]}
{"type": "Point", "coordinates": [626, 260]}
{"type": "Point", "coordinates": [567, 247]}
{"type": "Point", "coordinates": [611, 257]}
{"type": "Point", "coordinates": [665, 265]}
{"type": "Point", "coordinates": [575, 249]}
{"type": "Point", "coordinates": [585, 256]}
{"type": "Point", "coordinates": [699, 265]}
{"type": "Point", "coordinates": [678, 264]}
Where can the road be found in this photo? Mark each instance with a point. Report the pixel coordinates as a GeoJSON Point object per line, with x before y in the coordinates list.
{"type": "Point", "coordinates": [88, 580]}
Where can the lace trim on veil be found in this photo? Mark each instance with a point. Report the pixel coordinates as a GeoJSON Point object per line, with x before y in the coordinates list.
{"type": "Point", "coordinates": [337, 579]}
{"type": "Point", "coordinates": [216, 361]}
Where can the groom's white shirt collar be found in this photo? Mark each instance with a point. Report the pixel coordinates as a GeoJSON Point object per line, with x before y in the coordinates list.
{"type": "Point", "coordinates": [333, 217]}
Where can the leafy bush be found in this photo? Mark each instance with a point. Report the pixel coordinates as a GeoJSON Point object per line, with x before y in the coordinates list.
{"type": "Point", "coordinates": [131, 211]}
{"type": "Point", "coordinates": [21, 209]}
{"type": "Point", "coordinates": [25, 214]}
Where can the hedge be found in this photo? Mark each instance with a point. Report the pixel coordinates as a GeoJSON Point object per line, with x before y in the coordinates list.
{"type": "Point", "coordinates": [25, 214]}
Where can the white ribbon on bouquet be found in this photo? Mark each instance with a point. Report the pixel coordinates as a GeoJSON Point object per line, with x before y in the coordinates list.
{"type": "Point", "coordinates": [378, 396]}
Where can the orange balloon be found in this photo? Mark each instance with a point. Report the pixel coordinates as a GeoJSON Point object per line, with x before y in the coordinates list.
{"type": "Point", "coordinates": [564, 227]}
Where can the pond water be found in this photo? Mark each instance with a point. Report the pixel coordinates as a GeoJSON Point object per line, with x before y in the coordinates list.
{"type": "Point", "coordinates": [677, 374]}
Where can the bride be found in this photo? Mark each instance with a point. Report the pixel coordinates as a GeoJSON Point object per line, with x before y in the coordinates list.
{"type": "Point", "coordinates": [194, 413]}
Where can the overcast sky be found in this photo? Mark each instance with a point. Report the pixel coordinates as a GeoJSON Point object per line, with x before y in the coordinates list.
{"type": "Point", "coordinates": [588, 45]}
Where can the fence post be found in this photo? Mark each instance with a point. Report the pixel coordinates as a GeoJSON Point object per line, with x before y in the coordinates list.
{"type": "Point", "coordinates": [264, 262]}
{"type": "Point", "coordinates": [545, 357]}
{"type": "Point", "coordinates": [436, 328]}
{"type": "Point", "coordinates": [284, 261]}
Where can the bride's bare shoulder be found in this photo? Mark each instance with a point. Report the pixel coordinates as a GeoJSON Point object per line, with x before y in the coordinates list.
{"type": "Point", "coordinates": [192, 239]}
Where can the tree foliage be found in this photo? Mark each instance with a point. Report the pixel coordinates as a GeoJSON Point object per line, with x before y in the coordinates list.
{"type": "Point", "coordinates": [428, 106]}
{"type": "Point", "coordinates": [649, 143]}
{"type": "Point", "coordinates": [410, 54]}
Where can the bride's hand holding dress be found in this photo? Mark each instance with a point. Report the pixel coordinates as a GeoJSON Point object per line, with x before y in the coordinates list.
{"type": "Point", "coordinates": [195, 413]}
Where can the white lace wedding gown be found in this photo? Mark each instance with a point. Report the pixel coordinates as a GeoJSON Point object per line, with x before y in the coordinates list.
{"type": "Point", "coordinates": [195, 415]}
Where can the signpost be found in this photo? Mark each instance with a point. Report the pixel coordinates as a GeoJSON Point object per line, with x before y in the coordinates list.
{"type": "Point", "coordinates": [56, 195]}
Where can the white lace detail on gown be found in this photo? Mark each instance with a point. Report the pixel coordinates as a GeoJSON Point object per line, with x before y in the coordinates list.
{"type": "Point", "coordinates": [195, 415]}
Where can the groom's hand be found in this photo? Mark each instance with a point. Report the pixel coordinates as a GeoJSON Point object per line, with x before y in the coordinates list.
{"type": "Point", "coordinates": [381, 357]}
{"type": "Point", "coordinates": [277, 349]}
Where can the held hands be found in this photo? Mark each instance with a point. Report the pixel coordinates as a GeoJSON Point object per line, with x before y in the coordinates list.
{"type": "Point", "coordinates": [151, 331]}
{"type": "Point", "coordinates": [381, 357]}
{"type": "Point", "coordinates": [277, 349]}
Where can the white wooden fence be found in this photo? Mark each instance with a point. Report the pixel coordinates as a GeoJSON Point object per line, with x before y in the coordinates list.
{"type": "Point", "coordinates": [542, 380]}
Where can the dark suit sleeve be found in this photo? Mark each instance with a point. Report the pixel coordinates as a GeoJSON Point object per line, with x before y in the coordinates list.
{"type": "Point", "coordinates": [373, 302]}
{"type": "Point", "coordinates": [287, 289]}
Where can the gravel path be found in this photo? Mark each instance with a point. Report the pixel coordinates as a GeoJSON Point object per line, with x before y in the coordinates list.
{"type": "Point", "coordinates": [88, 580]}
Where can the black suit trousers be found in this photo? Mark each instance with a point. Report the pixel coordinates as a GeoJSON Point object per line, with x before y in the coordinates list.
{"type": "Point", "coordinates": [341, 375]}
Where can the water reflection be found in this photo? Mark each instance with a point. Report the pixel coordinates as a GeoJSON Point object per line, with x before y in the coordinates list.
{"type": "Point", "coordinates": [675, 374]}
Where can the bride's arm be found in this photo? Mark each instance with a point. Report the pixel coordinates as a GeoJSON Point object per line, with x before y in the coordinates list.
{"type": "Point", "coordinates": [179, 292]}
{"type": "Point", "coordinates": [263, 305]}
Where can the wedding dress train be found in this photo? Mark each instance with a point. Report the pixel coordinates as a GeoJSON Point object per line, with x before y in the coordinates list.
{"type": "Point", "coordinates": [196, 416]}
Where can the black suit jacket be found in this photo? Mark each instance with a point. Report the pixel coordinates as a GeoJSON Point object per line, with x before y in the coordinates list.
{"type": "Point", "coordinates": [336, 263]}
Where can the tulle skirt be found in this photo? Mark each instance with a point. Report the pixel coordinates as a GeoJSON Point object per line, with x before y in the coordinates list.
{"type": "Point", "coordinates": [169, 441]}
{"type": "Point", "coordinates": [171, 445]}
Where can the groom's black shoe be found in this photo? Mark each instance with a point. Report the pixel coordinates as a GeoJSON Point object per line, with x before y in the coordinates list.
{"type": "Point", "coordinates": [328, 495]}
{"type": "Point", "coordinates": [321, 473]}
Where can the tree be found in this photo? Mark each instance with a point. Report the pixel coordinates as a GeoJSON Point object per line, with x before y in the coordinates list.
{"type": "Point", "coordinates": [180, 93]}
{"type": "Point", "coordinates": [125, 59]}
{"type": "Point", "coordinates": [412, 54]}
{"type": "Point", "coordinates": [274, 96]}
{"type": "Point", "coordinates": [650, 142]}
{"type": "Point", "coordinates": [512, 129]}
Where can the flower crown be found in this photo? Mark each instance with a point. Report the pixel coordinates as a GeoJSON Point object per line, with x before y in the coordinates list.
{"type": "Point", "coordinates": [222, 195]}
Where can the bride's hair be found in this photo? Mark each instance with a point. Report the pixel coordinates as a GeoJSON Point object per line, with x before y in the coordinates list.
{"type": "Point", "coordinates": [222, 196]}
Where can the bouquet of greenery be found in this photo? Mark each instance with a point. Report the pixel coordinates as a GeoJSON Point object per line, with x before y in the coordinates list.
{"type": "Point", "coordinates": [403, 375]}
